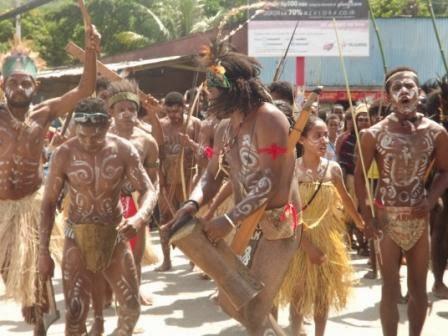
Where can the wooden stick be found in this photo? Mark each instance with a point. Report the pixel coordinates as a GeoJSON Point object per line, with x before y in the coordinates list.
{"type": "Point", "coordinates": [79, 54]}
{"type": "Point", "coordinates": [358, 138]}
{"type": "Point", "coordinates": [87, 26]}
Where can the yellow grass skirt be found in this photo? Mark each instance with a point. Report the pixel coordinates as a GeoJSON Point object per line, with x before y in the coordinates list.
{"type": "Point", "coordinates": [311, 288]}
{"type": "Point", "coordinates": [19, 247]}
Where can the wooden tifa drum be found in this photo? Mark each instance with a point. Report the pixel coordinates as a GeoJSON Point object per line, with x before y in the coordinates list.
{"type": "Point", "coordinates": [218, 261]}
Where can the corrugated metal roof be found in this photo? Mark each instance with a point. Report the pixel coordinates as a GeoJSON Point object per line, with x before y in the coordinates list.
{"type": "Point", "coordinates": [131, 65]}
{"type": "Point", "coordinates": [407, 42]}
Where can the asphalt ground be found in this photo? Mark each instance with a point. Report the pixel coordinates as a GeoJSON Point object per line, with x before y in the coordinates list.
{"type": "Point", "coordinates": [182, 306]}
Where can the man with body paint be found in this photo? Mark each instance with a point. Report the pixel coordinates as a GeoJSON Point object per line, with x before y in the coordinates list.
{"type": "Point", "coordinates": [403, 145]}
{"type": "Point", "coordinates": [173, 126]}
{"type": "Point", "coordinates": [253, 142]}
{"type": "Point", "coordinates": [96, 165]}
{"type": "Point", "coordinates": [22, 131]}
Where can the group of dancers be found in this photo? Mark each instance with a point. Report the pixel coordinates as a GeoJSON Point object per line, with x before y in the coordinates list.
{"type": "Point", "coordinates": [113, 158]}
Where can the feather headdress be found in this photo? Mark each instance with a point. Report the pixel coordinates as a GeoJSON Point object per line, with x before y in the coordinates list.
{"type": "Point", "coordinates": [209, 55]}
{"type": "Point", "coordinates": [21, 59]}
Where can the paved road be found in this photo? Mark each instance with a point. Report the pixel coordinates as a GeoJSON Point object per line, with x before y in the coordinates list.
{"type": "Point", "coordinates": [182, 308]}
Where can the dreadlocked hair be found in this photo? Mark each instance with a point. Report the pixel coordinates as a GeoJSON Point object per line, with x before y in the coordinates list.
{"type": "Point", "coordinates": [246, 92]}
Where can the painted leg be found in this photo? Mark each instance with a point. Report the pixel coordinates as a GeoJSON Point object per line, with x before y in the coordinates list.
{"type": "Point", "coordinates": [77, 286]}
{"type": "Point", "coordinates": [390, 289]}
{"type": "Point", "coordinates": [98, 297]}
{"type": "Point", "coordinates": [266, 267]}
{"type": "Point", "coordinates": [373, 273]}
{"type": "Point", "coordinates": [139, 250]}
{"type": "Point", "coordinates": [165, 216]}
{"type": "Point", "coordinates": [122, 275]}
{"type": "Point", "coordinates": [439, 247]}
{"type": "Point", "coordinates": [418, 260]}
{"type": "Point", "coordinates": [320, 322]}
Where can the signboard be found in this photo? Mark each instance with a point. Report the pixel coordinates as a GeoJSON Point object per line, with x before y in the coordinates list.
{"type": "Point", "coordinates": [271, 31]}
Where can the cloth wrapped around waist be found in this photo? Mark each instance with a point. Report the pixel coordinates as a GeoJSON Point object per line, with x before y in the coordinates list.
{"type": "Point", "coordinates": [96, 242]}
{"type": "Point", "coordinates": [279, 223]}
{"type": "Point", "coordinates": [402, 225]}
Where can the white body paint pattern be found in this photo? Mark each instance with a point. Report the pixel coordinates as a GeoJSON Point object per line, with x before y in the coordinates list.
{"type": "Point", "coordinates": [84, 174]}
{"type": "Point", "coordinates": [21, 145]}
{"type": "Point", "coordinates": [406, 158]}
{"type": "Point", "coordinates": [251, 185]}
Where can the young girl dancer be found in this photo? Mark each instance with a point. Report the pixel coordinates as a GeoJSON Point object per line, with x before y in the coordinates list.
{"type": "Point", "coordinates": [319, 276]}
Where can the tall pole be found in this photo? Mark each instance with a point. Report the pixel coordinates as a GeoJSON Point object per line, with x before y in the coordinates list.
{"type": "Point", "coordinates": [436, 31]}
{"type": "Point", "coordinates": [18, 25]}
{"type": "Point", "coordinates": [358, 138]}
{"type": "Point", "coordinates": [378, 36]}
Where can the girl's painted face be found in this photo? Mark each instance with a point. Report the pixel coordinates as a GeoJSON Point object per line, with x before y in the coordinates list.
{"type": "Point", "coordinates": [404, 94]}
{"type": "Point", "coordinates": [316, 140]}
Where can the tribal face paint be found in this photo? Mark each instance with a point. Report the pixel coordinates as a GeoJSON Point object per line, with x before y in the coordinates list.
{"type": "Point", "coordinates": [91, 138]}
{"type": "Point", "coordinates": [316, 139]}
{"type": "Point", "coordinates": [19, 90]}
{"type": "Point", "coordinates": [404, 94]}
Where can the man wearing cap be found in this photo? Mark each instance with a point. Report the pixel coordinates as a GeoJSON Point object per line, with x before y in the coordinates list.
{"type": "Point", "coordinates": [95, 165]}
{"type": "Point", "coordinates": [22, 132]}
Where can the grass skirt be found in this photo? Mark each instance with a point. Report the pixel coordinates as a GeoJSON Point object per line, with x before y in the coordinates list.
{"type": "Point", "coordinates": [19, 248]}
{"type": "Point", "coordinates": [311, 288]}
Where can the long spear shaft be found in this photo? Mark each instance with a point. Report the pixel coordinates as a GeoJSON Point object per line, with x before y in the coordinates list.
{"type": "Point", "coordinates": [436, 31]}
{"type": "Point", "coordinates": [355, 126]}
{"type": "Point", "coordinates": [378, 36]}
{"type": "Point", "coordinates": [278, 70]}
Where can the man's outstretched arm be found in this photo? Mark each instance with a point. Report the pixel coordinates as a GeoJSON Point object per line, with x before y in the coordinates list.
{"type": "Point", "coordinates": [60, 106]}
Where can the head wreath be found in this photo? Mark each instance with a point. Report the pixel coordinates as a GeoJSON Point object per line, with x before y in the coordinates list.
{"type": "Point", "coordinates": [21, 59]}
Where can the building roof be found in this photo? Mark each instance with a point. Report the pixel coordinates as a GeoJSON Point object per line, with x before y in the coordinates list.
{"type": "Point", "coordinates": [185, 62]}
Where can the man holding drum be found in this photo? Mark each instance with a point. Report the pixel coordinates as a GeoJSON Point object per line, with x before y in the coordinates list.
{"type": "Point", "coordinates": [251, 146]}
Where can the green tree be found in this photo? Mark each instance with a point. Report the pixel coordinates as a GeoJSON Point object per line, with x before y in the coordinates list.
{"type": "Point", "coordinates": [124, 24]}
{"type": "Point", "coordinates": [393, 8]}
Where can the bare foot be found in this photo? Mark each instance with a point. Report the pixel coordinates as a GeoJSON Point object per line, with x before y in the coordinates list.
{"type": "Point", "coordinates": [29, 314]}
{"type": "Point", "coordinates": [164, 267]}
{"type": "Point", "coordinates": [97, 328]}
{"type": "Point", "coordinates": [371, 275]}
{"type": "Point", "coordinates": [440, 291]}
{"type": "Point", "coordinates": [146, 299]}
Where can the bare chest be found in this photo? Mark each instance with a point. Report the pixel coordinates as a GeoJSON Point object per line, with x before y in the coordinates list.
{"type": "Point", "coordinates": [404, 157]}
{"type": "Point", "coordinates": [172, 139]}
{"type": "Point", "coordinates": [20, 139]}
{"type": "Point", "coordinates": [243, 161]}
{"type": "Point", "coordinates": [95, 175]}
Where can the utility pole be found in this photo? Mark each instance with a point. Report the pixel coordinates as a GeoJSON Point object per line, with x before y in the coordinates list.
{"type": "Point", "coordinates": [18, 25]}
